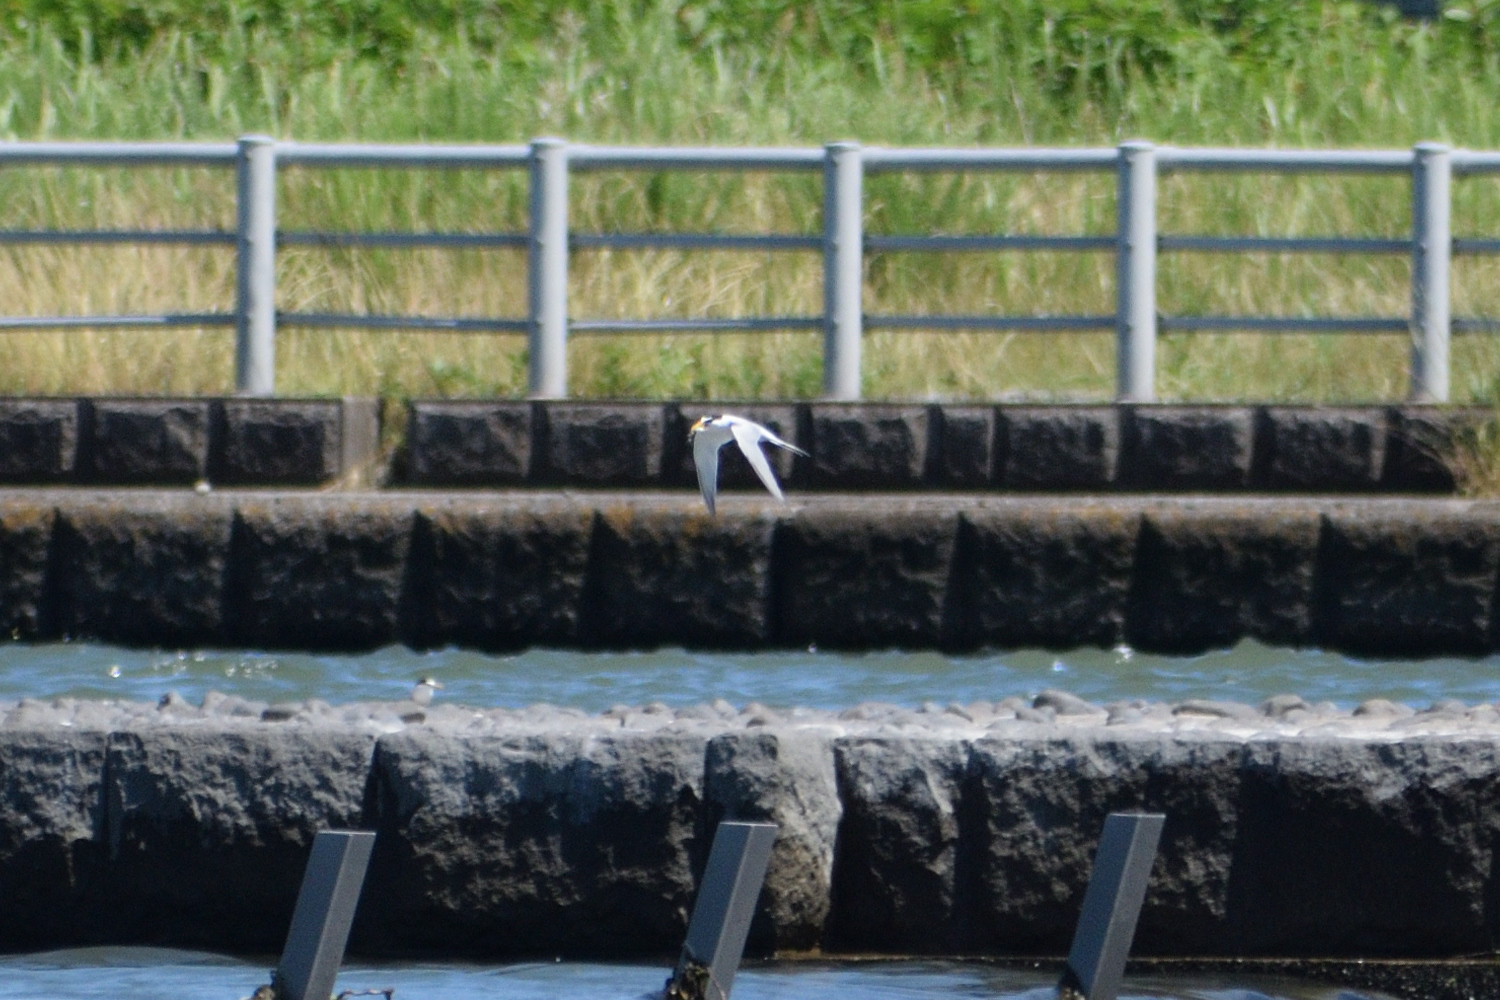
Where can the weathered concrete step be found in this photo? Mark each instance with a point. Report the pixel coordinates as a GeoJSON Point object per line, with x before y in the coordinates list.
{"type": "Point", "coordinates": [853, 446]}
{"type": "Point", "coordinates": [155, 441]}
{"type": "Point", "coordinates": [884, 446]}
{"type": "Point", "coordinates": [558, 836]}
{"type": "Point", "coordinates": [512, 570]}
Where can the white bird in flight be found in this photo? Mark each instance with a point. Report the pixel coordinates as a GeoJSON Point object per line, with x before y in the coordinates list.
{"type": "Point", "coordinates": [710, 434]}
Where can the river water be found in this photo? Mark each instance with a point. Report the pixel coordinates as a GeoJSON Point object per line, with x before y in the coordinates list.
{"type": "Point", "coordinates": [160, 974]}
{"type": "Point", "coordinates": [1248, 672]}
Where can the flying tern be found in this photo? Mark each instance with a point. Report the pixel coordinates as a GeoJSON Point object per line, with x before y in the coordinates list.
{"type": "Point", "coordinates": [710, 434]}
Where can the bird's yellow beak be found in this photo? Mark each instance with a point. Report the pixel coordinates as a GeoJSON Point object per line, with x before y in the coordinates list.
{"type": "Point", "coordinates": [698, 426]}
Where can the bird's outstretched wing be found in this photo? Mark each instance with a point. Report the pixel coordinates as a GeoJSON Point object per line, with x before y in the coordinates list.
{"type": "Point", "coordinates": [778, 442]}
{"type": "Point", "coordinates": [748, 436]}
{"type": "Point", "coordinates": [706, 458]}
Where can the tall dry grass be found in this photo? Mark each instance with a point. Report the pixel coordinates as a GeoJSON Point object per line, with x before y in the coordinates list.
{"type": "Point", "coordinates": [625, 73]}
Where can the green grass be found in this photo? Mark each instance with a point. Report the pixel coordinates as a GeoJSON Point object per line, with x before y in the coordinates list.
{"type": "Point", "coordinates": [1247, 72]}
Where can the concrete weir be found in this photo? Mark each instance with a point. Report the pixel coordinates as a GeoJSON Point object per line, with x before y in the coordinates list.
{"type": "Point", "coordinates": [1291, 829]}
{"type": "Point", "coordinates": [498, 570]}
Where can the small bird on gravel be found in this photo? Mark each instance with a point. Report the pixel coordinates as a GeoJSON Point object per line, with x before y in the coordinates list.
{"type": "Point", "coordinates": [425, 689]}
{"type": "Point", "coordinates": [710, 434]}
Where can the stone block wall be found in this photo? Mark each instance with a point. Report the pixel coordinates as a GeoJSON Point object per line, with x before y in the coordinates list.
{"type": "Point", "coordinates": [179, 442]}
{"type": "Point", "coordinates": [584, 836]}
{"type": "Point", "coordinates": [884, 446]}
{"type": "Point", "coordinates": [1383, 576]}
{"type": "Point", "coordinates": [853, 446]}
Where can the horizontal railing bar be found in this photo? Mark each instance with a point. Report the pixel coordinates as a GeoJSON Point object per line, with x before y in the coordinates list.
{"type": "Point", "coordinates": [1284, 244]}
{"type": "Point", "coordinates": [1476, 246]}
{"type": "Point", "coordinates": [585, 157]}
{"type": "Point", "coordinates": [1468, 161]}
{"type": "Point", "coordinates": [1288, 324]}
{"type": "Point", "coordinates": [365, 155]}
{"type": "Point", "coordinates": [590, 157]}
{"type": "Point", "coordinates": [698, 241]}
{"type": "Point", "coordinates": [1383, 161]}
{"type": "Point", "coordinates": [919, 244]}
{"type": "Point", "coordinates": [1476, 324]}
{"type": "Point", "coordinates": [746, 324]}
{"type": "Point", "coordinates": [1023, 323]}
{"type": "Point", "coordinates": [1010, 158]}
{"type": "Point", "coordinates": [1249, 244]}
{"type": "Point", "coordinates": [118, 154]}
{"type": "Point", "coordinates": [196, 237]}
{"type": "Point", "coordinates": [305, 238]}
{"type": "Point", "coordinates": [24, 323]}
{"type": "Point", "coordinates": [453, 324]}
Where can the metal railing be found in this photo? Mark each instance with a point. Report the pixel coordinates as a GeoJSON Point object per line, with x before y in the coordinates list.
{"type": "Point", "coordinates": [548, 242]}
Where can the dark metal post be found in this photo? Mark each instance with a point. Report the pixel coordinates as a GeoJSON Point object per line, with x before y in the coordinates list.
{"type": "Point", "coordinates": [722, 912]}
{"type": "Point", "coordinates": [325, 909]}
{"type": "Point", "coordinates": [1111, 905]}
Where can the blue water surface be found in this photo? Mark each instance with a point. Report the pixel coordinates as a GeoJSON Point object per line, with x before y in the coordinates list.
{"type": "Point", "coordinates": [1248, 672]}
{"type": "Point", "coordinates": [165, 974]}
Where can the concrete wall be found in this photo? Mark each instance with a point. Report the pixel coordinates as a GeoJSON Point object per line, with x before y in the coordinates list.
{"type": "Point", "coordinates": [853, 446]}
{"type": "Point", "coordinates": [581, 840]}
{"type": "Point", "coordinates": [137, 441]}
{"type": "Point", "coordinates": [886, 446]}
{"type": "Point", "coordinates": [511, 570]}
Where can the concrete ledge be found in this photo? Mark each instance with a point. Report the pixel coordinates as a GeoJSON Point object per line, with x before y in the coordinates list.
{"type": "Point", "coordinates": [317, 572]}
{"type": "Point", "coordinates": [870, 445]}
{"type": "Point", "coordinates": [38, 440]}
{"type": "Point", "coordinates": [1320, 448]}
{"type": "Point", "coordinates": [177, 442]}
{"type": "Point", "coordinates": [598, 444]}
{"type": "Point", "coordinates": [1291, 831]}
{"type": "Point", "coordinates": [1382, 576]}
{"type": "Point", "coordinates": [144, 569]}
{"type": "Point", "coordinates": [886, 446]}
{"type": "Point", "coordinates": [854, 446]}
{"type": "Point", "coordinates": [1186, 447]}
{"type": "Point", "coordinates": [464, 444]}
{"type": "Point", "coordinates": [1059, 447]}
{"type": "Point", "coordinates": [279, 442]}
{"type": "Point", "coordinates": [145, 441]}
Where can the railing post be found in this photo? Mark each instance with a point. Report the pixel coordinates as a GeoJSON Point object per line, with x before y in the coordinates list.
{"type": "Point", "coordinates": [1431, 251]}
{"type": "Point", "coordinates": [255, 290]}
{"type": "Point", "coordinates": [843, 268]}
{"type": "Point", "coordinates": [548, 269]}
{"type": "Point", "coordinates": [1135, 274]}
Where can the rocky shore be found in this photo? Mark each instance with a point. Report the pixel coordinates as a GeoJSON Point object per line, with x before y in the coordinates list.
{"type": "Point", "coordinates": [1293, 828]}
{"type": "Point", "coordinates": [1052, 713]}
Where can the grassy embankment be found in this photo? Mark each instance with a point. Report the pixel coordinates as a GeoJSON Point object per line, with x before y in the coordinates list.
{"type": "Point", "coordinates": [1252, 72]}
